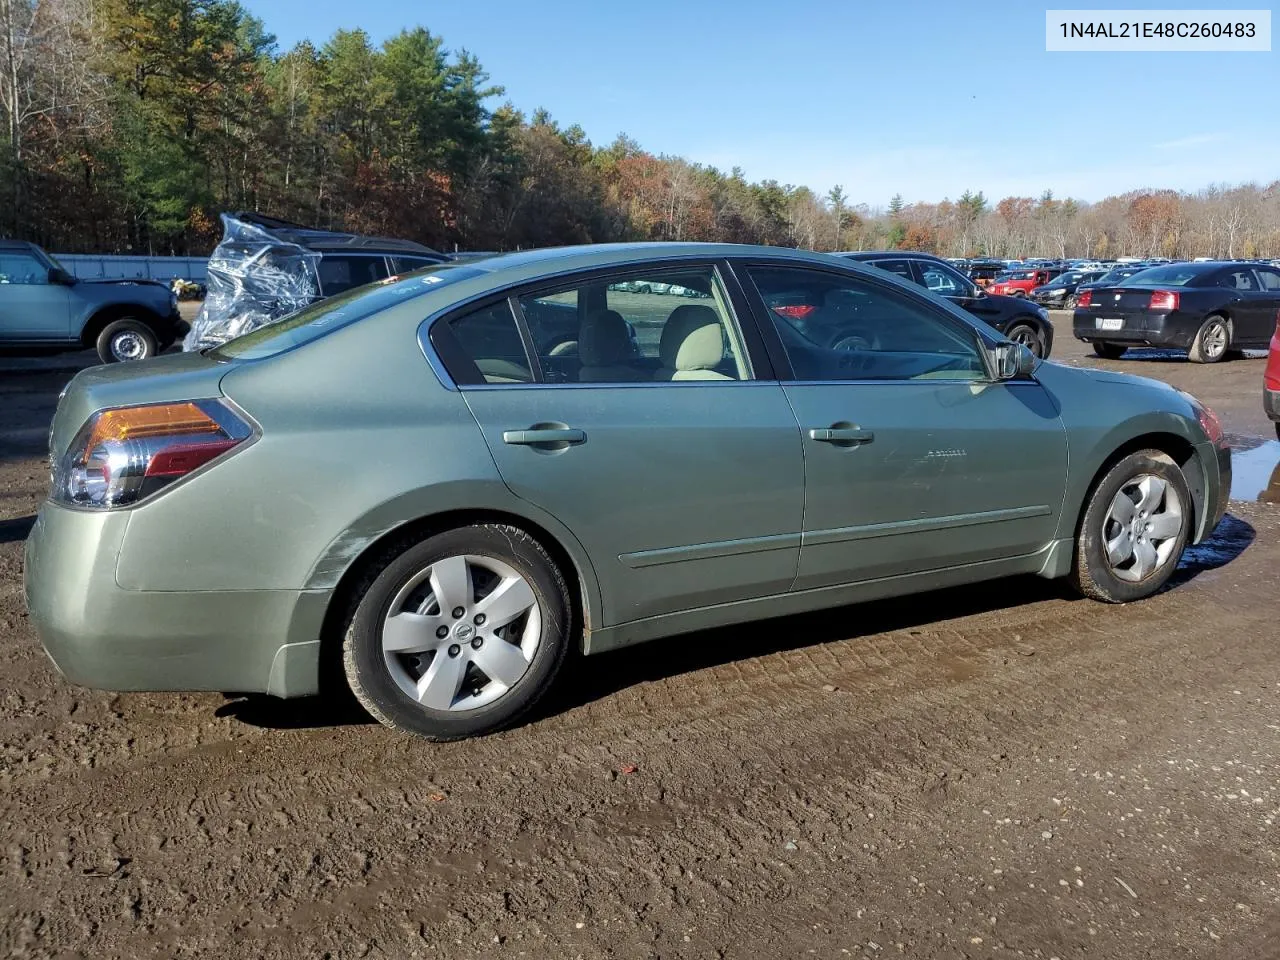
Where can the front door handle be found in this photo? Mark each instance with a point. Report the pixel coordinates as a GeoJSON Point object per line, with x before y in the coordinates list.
{"type": "Point", "coordinates": [548, 437]}
{"type": "Point", "coordinates": [844, 434]}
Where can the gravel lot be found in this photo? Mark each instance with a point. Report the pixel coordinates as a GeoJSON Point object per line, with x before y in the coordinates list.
{"type": "Point", "coordinates": [1001, 771]}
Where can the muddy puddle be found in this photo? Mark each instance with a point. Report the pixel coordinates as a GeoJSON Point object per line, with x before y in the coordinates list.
{"type": "Point", "coordinates": [1255, 469]}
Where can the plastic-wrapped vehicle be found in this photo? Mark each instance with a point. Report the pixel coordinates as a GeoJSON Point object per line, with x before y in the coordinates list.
{"type": "Point", "coordinates": [265, 269]}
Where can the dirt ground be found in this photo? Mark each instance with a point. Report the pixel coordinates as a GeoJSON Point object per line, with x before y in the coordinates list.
{"type": "Point", "coordinates": [1001, 771]}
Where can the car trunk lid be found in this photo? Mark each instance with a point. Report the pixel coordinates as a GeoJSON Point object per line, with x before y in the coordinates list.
{"type": "Point", "coordinates": [178, 376]}
{"type": "Point", "coordinates": [1121, 298]}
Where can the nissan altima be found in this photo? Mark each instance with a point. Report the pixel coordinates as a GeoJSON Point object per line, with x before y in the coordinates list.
{"type": "Point", "coordinates": [425, 488]}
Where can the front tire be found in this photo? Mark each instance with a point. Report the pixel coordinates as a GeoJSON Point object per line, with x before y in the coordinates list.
{"type": "Point", "coordinates": [1109, 351]}
{"type": "Point", "coordinates": [1135, 526]}
{"type": "Point", "coordinates": [126, 339]}
{"type": "Point", "coordinates": [1029, 336]}
{"type": "Point", "coordinates": [459, 634]}
{"type": "Point", "coordinates": [1212, 342]}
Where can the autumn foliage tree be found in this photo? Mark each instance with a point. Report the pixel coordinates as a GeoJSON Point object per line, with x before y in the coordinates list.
{"type": "Point", "coordinates": [128, 125]}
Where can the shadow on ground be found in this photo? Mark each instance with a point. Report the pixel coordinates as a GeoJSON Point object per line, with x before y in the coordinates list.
{"type": "Point", "coordinates": [586, 679]}
{"type": "Point", "coordinates": [16, 530]}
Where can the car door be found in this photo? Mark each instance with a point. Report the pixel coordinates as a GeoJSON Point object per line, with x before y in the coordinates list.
{"type": "Point", "coordinates": [915, 459]}
{"type": "Point", "coordinates": [1266, 304]}
{"type": "Point", "coordinates": [677, 469]}
{"type": "Point", "coordinates": [32, 310]}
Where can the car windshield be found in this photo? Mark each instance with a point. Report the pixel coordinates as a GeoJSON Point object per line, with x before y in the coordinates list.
{"type": "Point", "coordinates": [1173, 275]}
{"type": "Point", "coordinates": [325, 316]}
{"type": "Point", "coordinates": [1020, 275]}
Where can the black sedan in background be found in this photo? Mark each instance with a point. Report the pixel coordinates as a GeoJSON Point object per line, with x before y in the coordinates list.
{"type": "Point", "coordinates": [1208, 309]}
{"type": "Point", "coordinates": [1060, 292]}
{"type": "Point", "coordinates": [1113, 276]}
{"type": "Point", "coordinates": [1019, 320]}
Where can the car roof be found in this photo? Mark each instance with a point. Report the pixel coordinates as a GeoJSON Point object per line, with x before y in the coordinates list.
{"type": "Point", "coordinates": [335, 241]}
{"type": "Point", "coordinates": [544, 259]}
{"type": "Point", "coordinates": [895, 254]}
{"type": "Point", "coordinates": [15, 245]}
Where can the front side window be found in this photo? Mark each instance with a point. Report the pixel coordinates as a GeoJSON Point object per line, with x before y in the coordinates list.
{"type": "Point", "coordinates": [665, 325]}
{"type": "Point", "coordinates": [23, 268]}
{"type": "Point", "coordinates": [838, 327]}
{"type": "Point", "coordinates": [1270, 279]}
{"type": "Point", "coordinates": [339, 273]}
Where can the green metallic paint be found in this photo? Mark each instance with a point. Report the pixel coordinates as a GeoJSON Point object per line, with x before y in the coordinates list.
{"type": "Point", "coordinates": [685, 508]}
{"type": "Point", "coordinates": [664, 467]}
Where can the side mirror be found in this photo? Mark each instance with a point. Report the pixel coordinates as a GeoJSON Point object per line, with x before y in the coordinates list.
{"type": "Point", "coordinates": [60, 277]}
{"type": "Point", "coordinates": [1013, 361]}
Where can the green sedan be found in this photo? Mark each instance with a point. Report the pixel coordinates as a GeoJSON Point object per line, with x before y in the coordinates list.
{"type": "Point", "coordinates": [437, 486]}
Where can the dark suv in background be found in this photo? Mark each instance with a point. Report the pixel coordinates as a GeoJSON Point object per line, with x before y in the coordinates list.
{"type": "Point", "coordinates": [1019, 320]}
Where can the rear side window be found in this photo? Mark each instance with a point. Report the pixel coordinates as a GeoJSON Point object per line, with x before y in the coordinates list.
{"type": "Point", "coordinates": [1238, 280]}
{"type": "Point", "coordinates": [901, 267]}
{"type": "Point", "coordinates": [401, 265]}
{"type": "Point", "coordinates": [1270, 279]}
{"type": "Point", "coordinates": [486, 347]}
{"type": "Point", "coordinates": [341, 273]}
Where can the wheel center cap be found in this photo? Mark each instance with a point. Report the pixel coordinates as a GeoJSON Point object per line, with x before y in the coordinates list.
{"type": "Point", "coordinates": [463, 632]}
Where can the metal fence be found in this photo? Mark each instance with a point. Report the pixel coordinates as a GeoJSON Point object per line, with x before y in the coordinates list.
{"type": "Point", "coordinates": [92, 266]}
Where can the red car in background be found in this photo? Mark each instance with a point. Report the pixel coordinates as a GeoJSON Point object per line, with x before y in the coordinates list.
{"type": "Point", "coordinates": [1020, 282]}
{"type": "Point", "coordinates": [1271, 380]}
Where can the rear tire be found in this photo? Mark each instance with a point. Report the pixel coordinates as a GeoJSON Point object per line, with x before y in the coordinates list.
{"type": "Point", "coordinates": [1212, 342]}
{"type": "Point", "coordinates": [1109, 351]}
{"type": "Point", "coordinates": [126, 339]}
{"type": "Point", "coordinates": [481, 675]}
{"type": "Point", "coordinates": [1029, 336]}
{"type": "Point", "coordinates": [1135, 525]}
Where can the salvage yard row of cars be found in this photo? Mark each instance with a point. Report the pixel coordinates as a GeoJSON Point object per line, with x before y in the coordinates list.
{"type": "Point", "coordinates": [511, 457]}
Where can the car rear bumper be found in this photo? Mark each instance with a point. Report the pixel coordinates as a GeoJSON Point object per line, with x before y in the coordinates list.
{"type": "Point", "coordinates": [101, 635]}
{"type": "Point", "coordinates": [1138, 327]}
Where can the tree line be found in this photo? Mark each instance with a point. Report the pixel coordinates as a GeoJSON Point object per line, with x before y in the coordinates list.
{"type": "Point", "coordinates": [130, 124]}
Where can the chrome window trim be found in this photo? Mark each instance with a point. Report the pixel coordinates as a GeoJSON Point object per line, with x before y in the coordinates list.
{"type": "Point", "coordinates": [623, 384]}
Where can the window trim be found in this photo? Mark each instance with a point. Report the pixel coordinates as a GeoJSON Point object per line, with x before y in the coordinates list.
{"type": "Point", "coordinates": [435, 336]}
{"type": "Point", "coordinates": [887, 281]}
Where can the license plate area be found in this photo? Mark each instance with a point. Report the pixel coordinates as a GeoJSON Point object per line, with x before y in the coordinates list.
{"type": "Point", "coordinates": [1110, 323]}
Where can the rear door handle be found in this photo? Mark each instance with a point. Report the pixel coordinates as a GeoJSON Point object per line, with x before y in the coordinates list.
{"type": "Point", "coordinates": [847, 435]}
{"type": "Point", "coordinates": [545, 436]}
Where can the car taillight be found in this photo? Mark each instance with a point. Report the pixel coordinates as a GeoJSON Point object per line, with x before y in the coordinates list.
{"type": "Point", "coordinates": [794, 311]}
{"type": "Point", "coordinates": [1085, 299]}
{"type": "Point", "coordinates": [1163, 300]}
{"type": "Point", "coordinates": [127, 453]}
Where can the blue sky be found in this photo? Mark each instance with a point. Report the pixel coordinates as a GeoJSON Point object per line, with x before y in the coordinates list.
{"type": "Point", "coordinates": [925, 99]}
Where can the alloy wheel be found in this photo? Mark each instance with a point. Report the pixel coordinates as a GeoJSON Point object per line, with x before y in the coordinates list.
{"type": "Point", "coordinates": [461, 633]}
{"type": "Point", "coordinates": [1142, 526]}
{"type": "Point", "coordinates": [1215, 339]}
